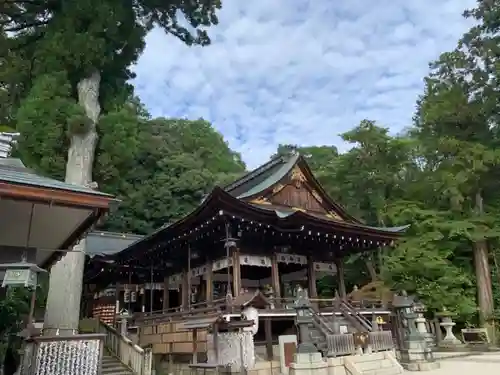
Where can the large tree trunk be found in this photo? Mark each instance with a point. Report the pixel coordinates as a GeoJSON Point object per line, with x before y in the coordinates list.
{"type": "Point", "coordinates": [66, 276]}
{"type": "Point", "coordinates": [483, 278]}
{"type": "Point", "coordinates": [370, 266]}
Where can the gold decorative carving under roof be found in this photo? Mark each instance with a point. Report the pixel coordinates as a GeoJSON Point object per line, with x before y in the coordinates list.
{"type": "Point", "coordinates": [334, 215]}
{"type": "Point", "coordinates": [260, 200]}
{"type": "Point", "coordinates": [317, 196]}
{"type": "Point", "coordinates": [298, 209]}
{"type": "Point", "coordinates": [278, 188]}
{"type": "Point", "coordinates": [297, 176]}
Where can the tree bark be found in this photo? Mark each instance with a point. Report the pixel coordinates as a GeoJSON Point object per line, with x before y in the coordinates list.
{"type": "Point", "coordinates": [62, 314]}
{"type": "Point", "coordinates": [370, 266]}
{"type": "Point", "coordinates": [483, 278]}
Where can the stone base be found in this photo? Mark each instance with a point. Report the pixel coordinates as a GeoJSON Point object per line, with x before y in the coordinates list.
{"type": "Point", "coordinates": [421, 366]}
{"type": "Point", "coordinates": [418, 357]}
{"type": "Point", "coordinates": [452, 344]}
{"type": "Point", "coordinates": [308, 364]}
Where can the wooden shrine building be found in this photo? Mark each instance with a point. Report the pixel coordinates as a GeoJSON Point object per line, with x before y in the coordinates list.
{"type": "Point", "coordinates": [273, 230]}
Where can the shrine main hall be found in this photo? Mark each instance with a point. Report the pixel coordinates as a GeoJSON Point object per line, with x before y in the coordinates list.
{"type": "Point", "coordinates": [272, 230]}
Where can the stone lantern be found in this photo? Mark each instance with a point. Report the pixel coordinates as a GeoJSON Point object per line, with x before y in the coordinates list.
{"type": "Point", "coordinates": [308, 359]}
{"type": "Point", "coordinates": [304, 318]}
{"type": "Point", "coordinates": [415, 352]}
{"type": "Point", "coordinates": [449, 340]}
{"type": "Point", "coordinates": [21, 274]}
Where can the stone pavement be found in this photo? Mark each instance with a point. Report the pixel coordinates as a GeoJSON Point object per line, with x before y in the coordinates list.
{"type": "Point", "coordinates": [478, 364]}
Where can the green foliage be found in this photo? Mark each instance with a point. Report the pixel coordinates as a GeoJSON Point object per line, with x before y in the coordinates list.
{"type": "Point", "coordinates": [42, 120]}
{"type": "Point", "coordinates": [177, 162]}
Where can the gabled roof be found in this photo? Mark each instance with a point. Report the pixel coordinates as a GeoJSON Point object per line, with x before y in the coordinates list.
{"type": "Point", "coordinates": [262, 177]}
{"type": "Point", "coordinates": [277, 169]}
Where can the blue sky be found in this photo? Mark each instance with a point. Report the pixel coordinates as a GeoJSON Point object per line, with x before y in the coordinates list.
{"type": "Point", "coordinates": [298, 71]}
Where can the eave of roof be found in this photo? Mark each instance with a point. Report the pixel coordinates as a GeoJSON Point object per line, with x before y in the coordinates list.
{"type": "Point", "coordinates": [283, 212]}
{"type": "Point", "coordinates": [13, 171]}
{"type": "Point", "coordinates": [219, 200]}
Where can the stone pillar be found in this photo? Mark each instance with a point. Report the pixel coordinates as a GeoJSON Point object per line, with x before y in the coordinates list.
{"type": "Point", "coordinates": [166, 294]}
{"type": "Point", "coordinates": [62, 313]}
{"type": "Point", "coordinates": [123, 326]}
{"type": "Point", "coordinates": [311, 278]}
{"type": "Point", "coordinates": [341, 280]}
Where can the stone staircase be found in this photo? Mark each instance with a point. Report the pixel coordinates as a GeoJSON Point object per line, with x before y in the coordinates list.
{"type": "Point", "coordinates": [324, 325]}
{"type": "Point", "coordinates": [359, 322]}
{"type": "Point", "coordinates": [382, 363]}
{"type": "Point", "coordinates": [112, 366]}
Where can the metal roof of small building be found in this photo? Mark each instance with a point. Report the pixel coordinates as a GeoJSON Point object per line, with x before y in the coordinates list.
{"type": "Point", "coordinates": [108, 243]}
{"type": "Point", "coordinates": [13, 171]}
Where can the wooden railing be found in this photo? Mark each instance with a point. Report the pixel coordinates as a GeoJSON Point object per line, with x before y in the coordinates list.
{"type": "Point", "coordinates": [380, 341]}
{"type": "Point", "coordinates": [277, 305]}
{"type": "Point", "coordinates": [340, 344]}
{"type": "Point", "coordinates": [353, 315]}
{"type": "Point", "coordinates": [139, 360]}
{"type": "Point", "coordinates": [159, 316]}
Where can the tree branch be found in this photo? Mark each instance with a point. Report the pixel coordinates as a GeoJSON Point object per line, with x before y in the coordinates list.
{"type": "Point", "coordinates": [26, 26]}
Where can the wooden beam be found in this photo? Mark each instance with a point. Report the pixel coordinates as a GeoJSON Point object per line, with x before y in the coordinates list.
{"type": "Point", "coordinates": [341, 280]}
{"type": "Point", "coordinates": [311, 278]}
{"type": "Point", "coordinates": [275, 278]}
{"type": "Point", "coordinates": [269, 339]}
{"type": "Point", "coordinates": [236, 273]}
{"type": "Point", "coordinates": [55, 196]}
{"type": "Point", "coordinates": [166, 294]}
{"type": "Point", "coordinates": [185, 293]}
{"type": "Point", "coordinates": [209, 286]}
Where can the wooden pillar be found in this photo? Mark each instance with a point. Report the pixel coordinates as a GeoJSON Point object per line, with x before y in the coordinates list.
{"type": "Point", "coordinates": [275, 278]}
{"type": "Point", "coordinates": [269, 339]}
{"type": "Point", "coordinates": [236, 273]}
{"type": "Point", "coordinates": [185, 292]}
{"type": "Point", "coordinates": [340, 275]}
{"type": "Point", "coordinates": [143, 298]}
{"type": "Point", "coordinates": [166, 294]}
{"type": "Point", "coordinates": [195, 346]}
{"type": "Point", "coordinates": [209, 285]}
{"type": "Point", "coordinates": [117, 302]}
{"type": "Point", "coordinates": [311, 278]}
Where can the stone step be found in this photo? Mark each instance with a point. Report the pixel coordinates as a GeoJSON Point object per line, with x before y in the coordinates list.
{"type": "Point", "coordinates": [384, 371]}
{"type": "Point", "coordinates": [112, 366]}
{"type": "Point", "coordinates": [374, 365]}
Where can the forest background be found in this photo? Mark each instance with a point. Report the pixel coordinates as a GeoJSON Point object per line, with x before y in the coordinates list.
{"type": "Point", "coordinates": [441, 175]}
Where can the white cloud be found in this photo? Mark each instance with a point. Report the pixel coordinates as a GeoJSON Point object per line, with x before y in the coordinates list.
{"type": "Point", "coordinates": [300, 71]}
